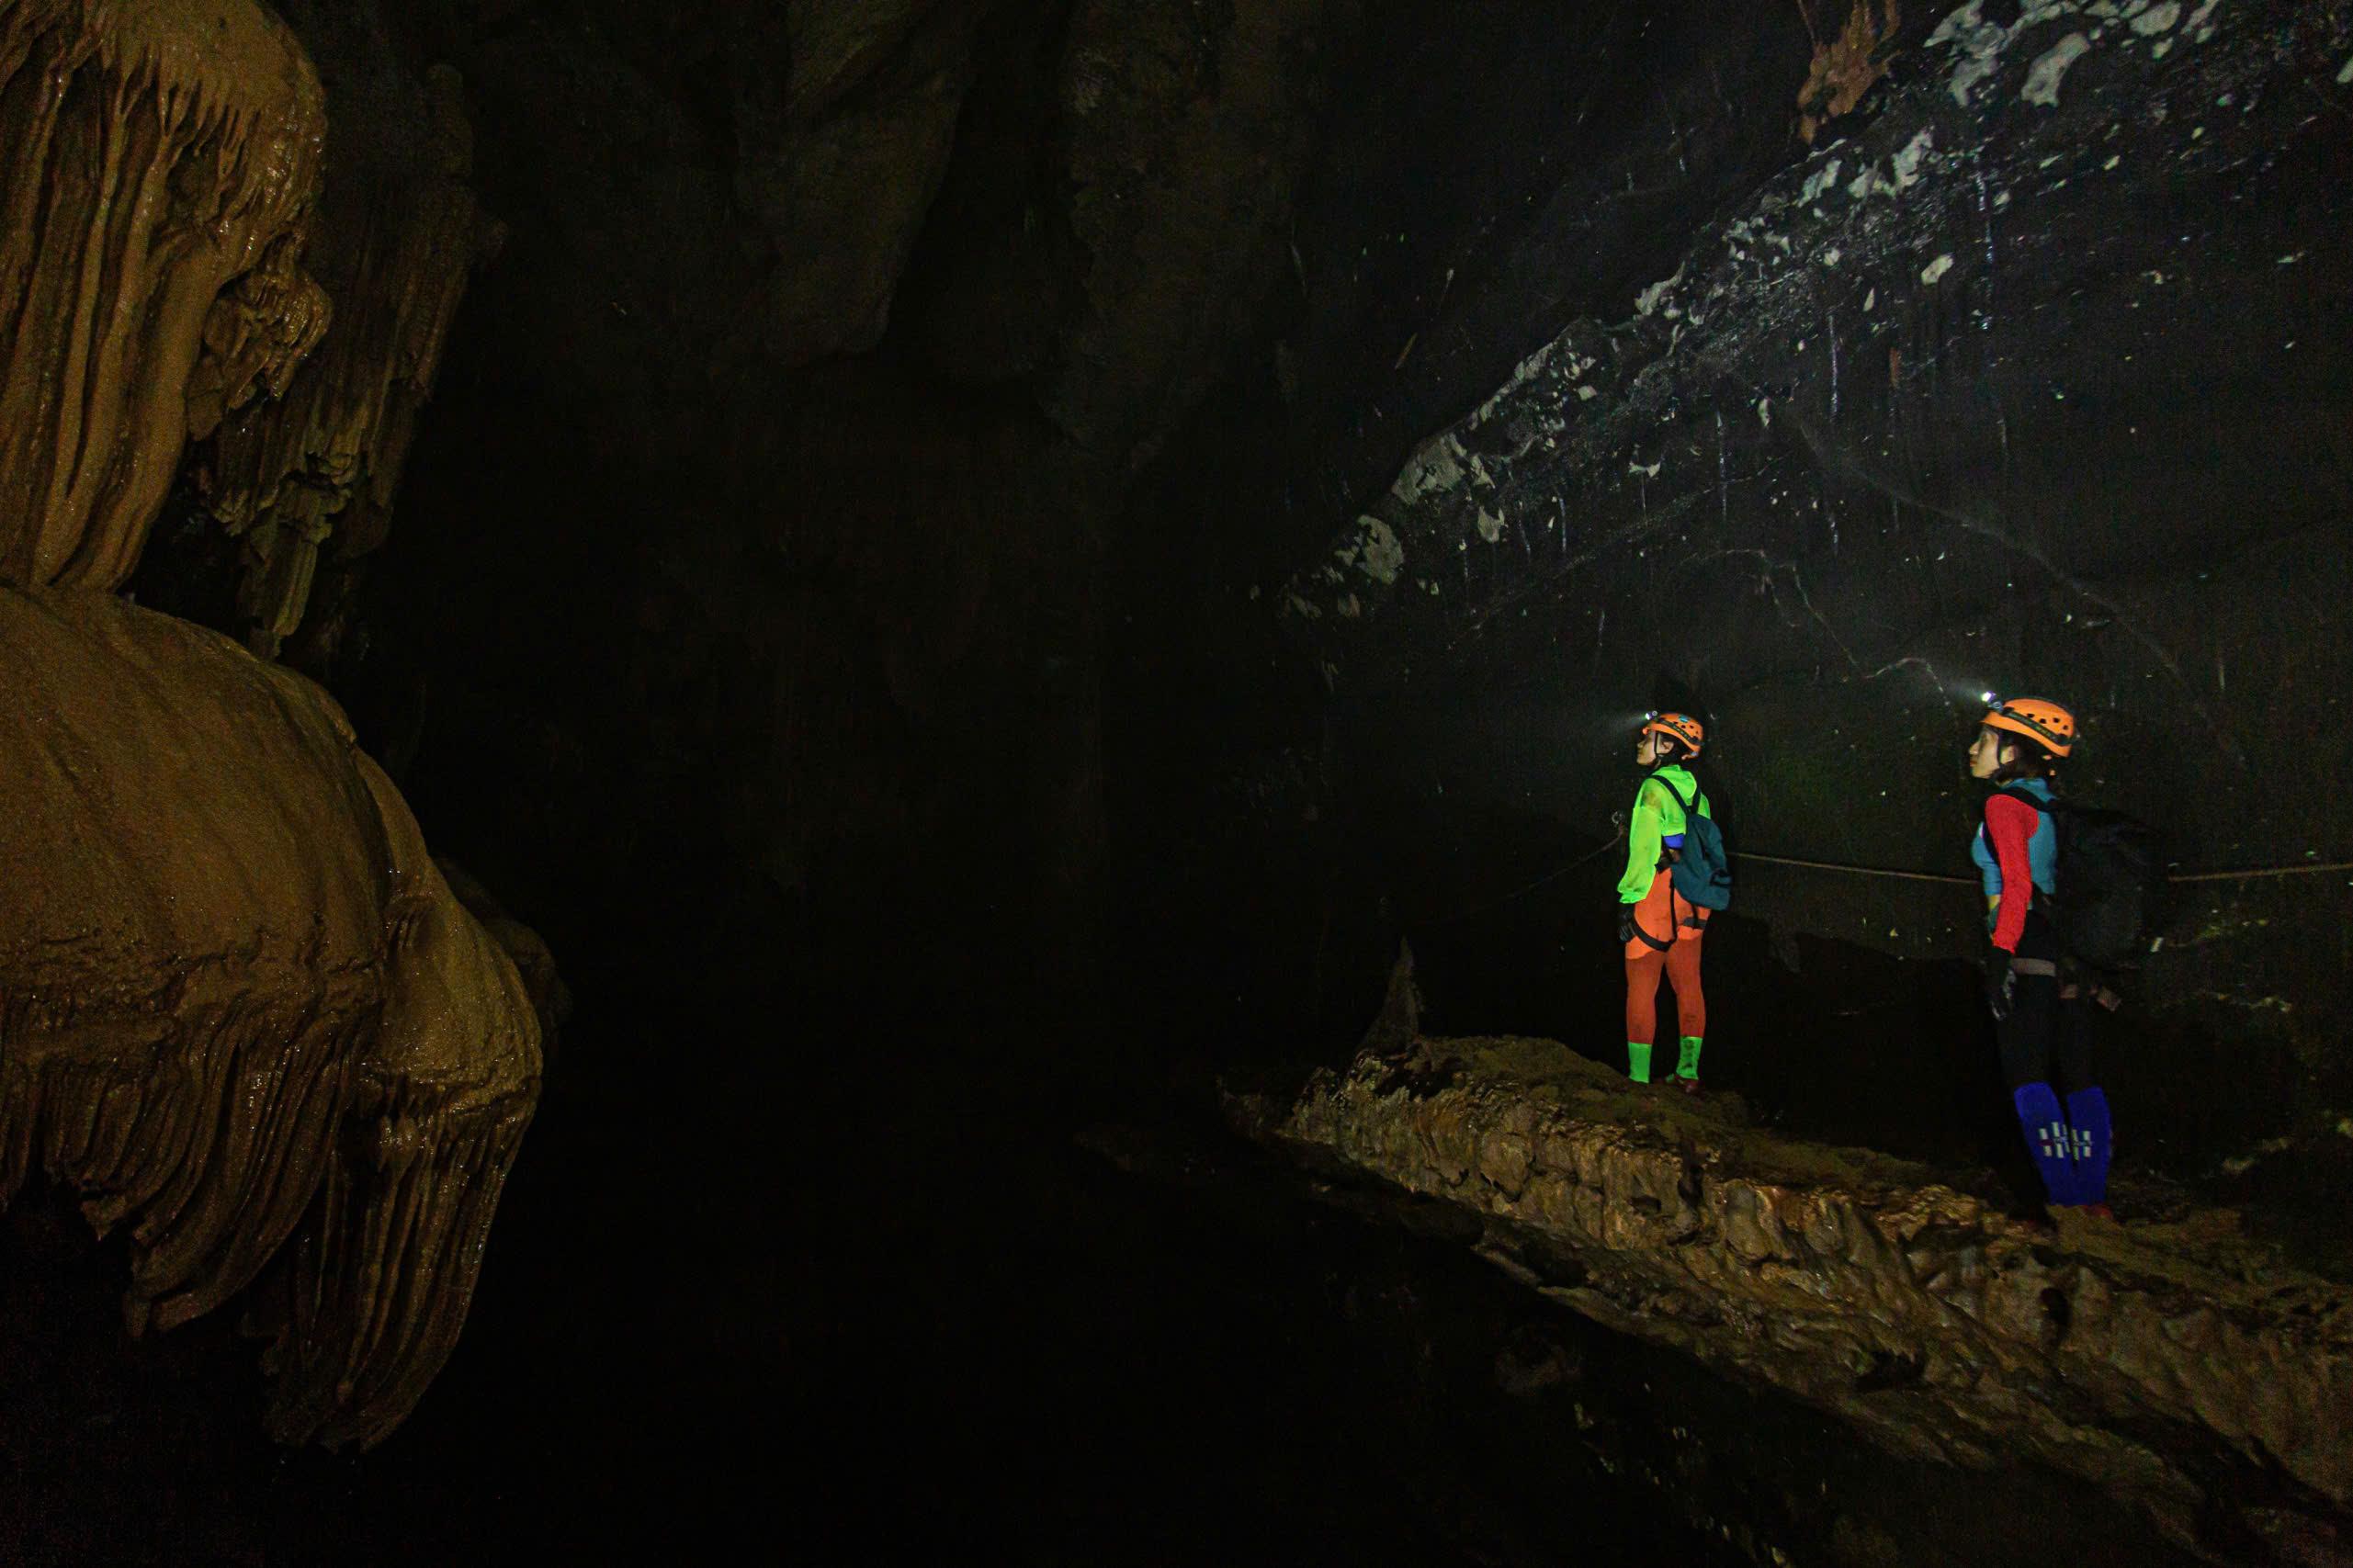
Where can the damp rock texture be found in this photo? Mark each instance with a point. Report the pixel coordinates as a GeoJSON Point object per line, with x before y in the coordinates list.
{"type": "Point", "coordinates": [840, 170]}
{"type": "Point", "coordinates": [535, 961]}
{"type": "Point", "coordinates": [2173, 1364]}
{"type": "Point", "coordinates": [878, 306]}
{"type": "Point", "coordinates": [311, 475]}
{"type": "Point", "coordinates": [242, 1015]}
{"type": "Point", "coordinates": [161, 159]}
{"type": "Point", "coordinates": [1189, 131]}
{"type": "Point", "coordinates": [2028, 374]}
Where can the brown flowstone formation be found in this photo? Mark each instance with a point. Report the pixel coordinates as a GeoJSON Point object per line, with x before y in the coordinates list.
{"type": "Point", "coordinates": [2146, 1357]}
{"type": "Point", "coordinates": [162, 157]}
{"type": "Point", "coordinates": [399, 230]}
{"type": "Point", "coordinates": [242, 1015]}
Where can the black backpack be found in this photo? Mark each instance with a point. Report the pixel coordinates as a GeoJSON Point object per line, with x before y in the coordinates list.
{"type": "Point", "coordinates": [2110, 899]}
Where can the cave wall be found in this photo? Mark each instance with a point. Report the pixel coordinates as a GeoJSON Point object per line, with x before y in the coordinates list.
{"type": "Point", "coordinates": [783, 608]}
{"type": "Point", "coordinates": [243, 1021]}
{"type": "Point", "coordinates": [893, 585]}
{"type": "Point", "coordinates": [1472, 190]}
{"type": "Point", "coordinates": [2028, 373]}
{"type": "Point", "coordinates": [399, 231]}
{"type": "Point", "coordinates": [277, 503]}
{"type": "Point", "coordinates": [162, 163]}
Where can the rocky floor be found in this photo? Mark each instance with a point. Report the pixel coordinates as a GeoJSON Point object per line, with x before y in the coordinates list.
{"type": "Point", "coordinates": [2172, 1360]}
{"type": "Point", "coordinates": [919, 1324]}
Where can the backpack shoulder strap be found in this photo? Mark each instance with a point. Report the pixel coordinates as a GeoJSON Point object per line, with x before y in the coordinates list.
{"type": "Point", "coordinates": [2027, 796]}
{"type": "Point", "coordinates": [1668, 785]}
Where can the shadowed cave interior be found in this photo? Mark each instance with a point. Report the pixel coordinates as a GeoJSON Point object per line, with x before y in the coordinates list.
{"type": "Point", "coordinates": [726, 719]}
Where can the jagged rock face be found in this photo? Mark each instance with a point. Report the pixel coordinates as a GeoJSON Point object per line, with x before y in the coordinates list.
{"type": "Point", "coordinates": [397, 233]}
{"type": "Point", "coordinates": [1190, 130]}
{"type": "Point", "coordinates": [830, 48]}
{"type": "Point", "coordinates": [535, 961]}
{"type": "Point", "coordinates": [2171, 1363]}
{"type": "Point", "coordinates": [1471, 189]}
{"type": "Point", "coordinates": [244, 1017]}
{"type": "Point", "coordinates": [2029, 374]}
{"type": "Point", "coordinates": [843, 189]}
{"type": "Point", "coordinates": [851, 602]}
{"type": "Point", "coordinates": [1477, 191]}
{"type": "Point", "coordinates": [161, 159]}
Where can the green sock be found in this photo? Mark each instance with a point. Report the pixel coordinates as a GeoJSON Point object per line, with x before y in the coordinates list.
{"type": "Point", "coordinates": [1638, 1061]}
{"type": "Point", "coordinates": [1689, 1064]}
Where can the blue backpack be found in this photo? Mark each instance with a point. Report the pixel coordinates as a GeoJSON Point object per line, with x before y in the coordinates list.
{"type": "Point", "coordinates": [1703, 873]}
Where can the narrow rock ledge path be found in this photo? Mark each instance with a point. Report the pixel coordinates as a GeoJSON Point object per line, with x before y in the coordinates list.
{"type": "Point", "coordinates": [2174, 1362]}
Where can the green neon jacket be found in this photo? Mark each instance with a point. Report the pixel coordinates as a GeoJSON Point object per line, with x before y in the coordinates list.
{"type": "Point", "coordinates": [1657, 826]}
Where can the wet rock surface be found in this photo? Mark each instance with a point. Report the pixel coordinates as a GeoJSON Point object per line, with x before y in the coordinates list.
{"type": "Point", "coordinates": [301, 485]}
{"type": "Point", "coordinates": [134, 130]}
{"type": "Point", "coordinates": [842, 189]}
{"type": "Point", "coordinates": [828, 342]}
{"type": "Point", "coordinates": [2024, 375]}
{"type": "Point", "coordinates": [244, 1025]}
{"type": "Point", "coordinates": [862, 519]}
{"type": "Point", "coordinates": [243, 1019]}
{"type": "Point", "coordinates": [1553, 1401]}
{"type": "Point", "coordinates": [2171, 1360]}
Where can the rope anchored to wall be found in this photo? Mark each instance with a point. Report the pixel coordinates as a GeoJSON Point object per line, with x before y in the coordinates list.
{"type": "Point", "coordinates": [1527, 888]}
{"type": "Point", "coordinates": [2249, 874]}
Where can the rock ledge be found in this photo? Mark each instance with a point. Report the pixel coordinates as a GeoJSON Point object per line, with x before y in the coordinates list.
{"type": "Point", "coordinates": [2174, 1362]}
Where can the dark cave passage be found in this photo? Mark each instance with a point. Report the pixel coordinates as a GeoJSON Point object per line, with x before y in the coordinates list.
{"type": "Point", "coordinates": [948, 581]}
{"type": "Point", "coordinates": [989, 1336]}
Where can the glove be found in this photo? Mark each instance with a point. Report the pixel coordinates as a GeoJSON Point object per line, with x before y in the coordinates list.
{"type": "Point", "coordinates": [1625, 922]}
{"type": "Point", "coordinates": [2001, 983]}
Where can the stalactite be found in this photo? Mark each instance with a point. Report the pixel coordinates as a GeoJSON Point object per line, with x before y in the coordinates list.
{"type": "Point", "coordinates": [398, 232]}
{"type": "Point", "coordinates": [242, 1015]}
{"type": "Point", "coordinates": [158, 161]}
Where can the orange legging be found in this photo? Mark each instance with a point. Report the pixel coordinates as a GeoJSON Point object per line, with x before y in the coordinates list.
{"type": "Point", "coordinates": [1679, 962]}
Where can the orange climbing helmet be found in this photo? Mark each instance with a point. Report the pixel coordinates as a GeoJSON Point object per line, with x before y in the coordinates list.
{"type": "Point", "coordinates": [2040, 720]}
{"type": "Point", "coordinates": [1682, 725]}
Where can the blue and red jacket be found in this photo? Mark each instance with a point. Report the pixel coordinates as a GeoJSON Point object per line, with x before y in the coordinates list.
{"type": "Point", "coordinates": [2015, 848]}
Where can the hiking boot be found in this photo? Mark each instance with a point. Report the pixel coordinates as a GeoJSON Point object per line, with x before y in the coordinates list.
{"type": "Point", "coordinates": [2097, 1212]}
{"type": "Point", "coordinates": [1692, 1087]}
